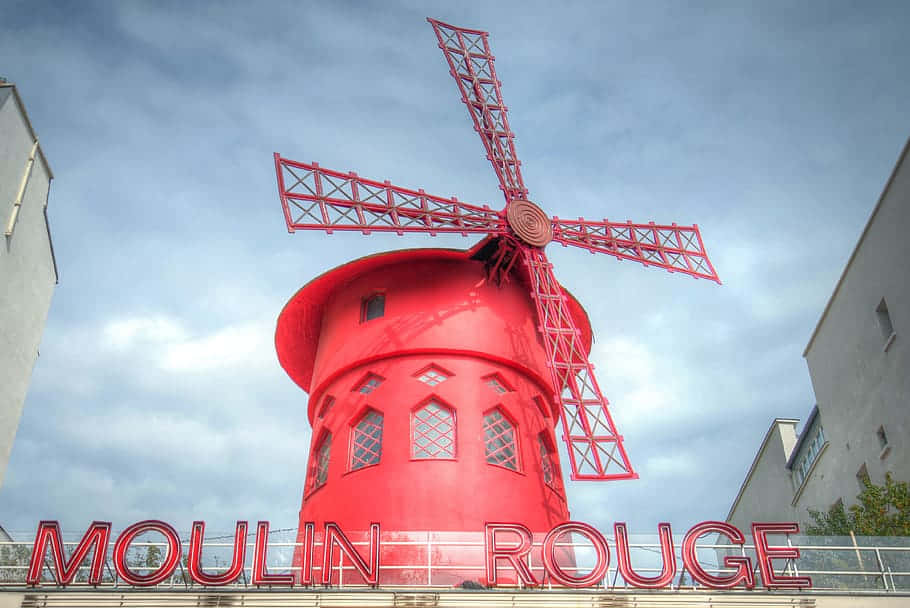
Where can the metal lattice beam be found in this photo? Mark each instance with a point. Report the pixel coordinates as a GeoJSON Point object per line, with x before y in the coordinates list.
{"type": "Point", "coordinates": [315, 198]}
{"type": "Point", "coordinates": [471, 65]}
{"type": "Point", "coordinates": [595, 448]}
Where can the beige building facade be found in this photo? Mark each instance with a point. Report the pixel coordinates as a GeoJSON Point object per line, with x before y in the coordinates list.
{"type": "Point", "coordinates": [860, 371]}
{"type": "Point", "coordinates": [28, 270]}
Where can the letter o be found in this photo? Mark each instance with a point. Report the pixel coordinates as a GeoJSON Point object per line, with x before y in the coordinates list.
{"type": "Point", "coordinates": [172, 558]}
{"type": "Point", "coordinates": [600, 546]}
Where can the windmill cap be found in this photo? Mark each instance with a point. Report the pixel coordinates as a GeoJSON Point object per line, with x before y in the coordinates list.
{"type": "Point", "coordinates": [300, 322]}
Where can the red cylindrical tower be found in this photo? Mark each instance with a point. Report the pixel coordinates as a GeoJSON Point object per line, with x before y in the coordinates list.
{"type": "Point", "coordinates": [430, 398]}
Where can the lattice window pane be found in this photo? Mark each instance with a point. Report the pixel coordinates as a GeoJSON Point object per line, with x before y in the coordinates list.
{"type": "Point", "coordinates": [432, 376]}
{"type": "Point", "coordinates": [320, 463]}
{"type": "Point", "coordinates": [366, 443]}
{"type": "Point", "coordinates": [327, 404]}
{"type": "Point", "coordinates": [547, 464]}
{"type": "Point", "coordinates": [369, 384]}
{"type": "Point", "coordinates": [496, 383]}
{"type": "Point", "coordinates": [433, 432]}
{"type": "Point", "coordinates": [499, 440]}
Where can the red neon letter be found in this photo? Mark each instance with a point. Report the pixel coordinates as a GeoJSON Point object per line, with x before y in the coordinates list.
{"type": "Point", "coordinates": [194, 561]}
{"type": "Point", "coordinates": [600, 546]}
{"type": "Point", "coordinates": [334, 537]}
{"type": "Point", "coordinates": [512, 554]}
{"type": "Point", "coordinates": [765, 554]}
{"type": "Point", "coordinates": [49, 532]}
{"type": "Point", "coordinates": [743, 565]}
{"type": "Point", "coordinates": [306, 554]}
{"type": "Point", "coordinates": [260, 576]}
{"type": "Point", "coordinates": [171, 558]}
{"type": "Point", "coordinates": [624, 558]}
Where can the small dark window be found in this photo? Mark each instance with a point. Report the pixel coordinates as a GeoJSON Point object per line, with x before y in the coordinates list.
{"type": "Point", "coordinates": [373, 307]}
{"type": "Point", "coordinates": [862, 477]}
{"type": "Point", "coordinates": [327, 404]}
{"type": "Point", "coordinates": [884, 320]}
{"type": "Point", "coordinates": [882, 437]}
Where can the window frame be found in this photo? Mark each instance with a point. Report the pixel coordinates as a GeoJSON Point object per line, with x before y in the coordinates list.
{"type": "Point", "coordinates": [498, 379]}
{"type": "Point", "coordinates": [433, 367]}
{"type": "Point", "coordinates": [359, 417]}
{"type": "Point", "coordinates": [546, 448]}
{"type": "Point", "coordinates": [325, 406]}
{"type": "Point", "coordinates": [311, 484]}
{"type": "Point", "coordinates": [412, 440]}
{"type": "Point", "coordinates": [516, 443]}
{"type": "Point", "coordinates": [364, 379]}
{"type": "Point", "coordinates": [365, 304]}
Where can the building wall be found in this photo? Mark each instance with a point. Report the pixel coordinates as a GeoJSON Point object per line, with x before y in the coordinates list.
{"type": "Point", "coordinates": [859, 374]}
{"type": "Point", "coordinates": [766, 493]}
{"type": "Point", "coordinates": [27, 269]}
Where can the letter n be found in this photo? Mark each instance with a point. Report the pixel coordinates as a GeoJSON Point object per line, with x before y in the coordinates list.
{"type": "Point", "coordinates": [97, 535]}
{"type": "Point", "coordinates": [334, 537]}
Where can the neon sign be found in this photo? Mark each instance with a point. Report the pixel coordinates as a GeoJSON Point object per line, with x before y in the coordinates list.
{"type": "Point", "coordinates": [507, 547]}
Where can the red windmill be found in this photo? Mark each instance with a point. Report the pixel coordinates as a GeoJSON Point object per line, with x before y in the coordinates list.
{"type": "Point", "coordinates": [315, 198]}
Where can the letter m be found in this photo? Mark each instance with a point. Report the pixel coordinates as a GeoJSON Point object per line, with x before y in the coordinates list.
{"type": "Point", "coordinates": [64, 572]}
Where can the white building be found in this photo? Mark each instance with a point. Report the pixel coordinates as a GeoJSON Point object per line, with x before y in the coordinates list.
{"type": "Point", "coordinates": [28, 271]}
{"type": "Point", "coordinates": [860, 370]}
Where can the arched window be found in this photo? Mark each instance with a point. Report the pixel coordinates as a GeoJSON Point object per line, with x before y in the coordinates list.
{"type": "Point", "coordinates": [500, 444]}
{"type": "Point", "coordinates": [319, 462]}
{"type": "Point", "coordinates": [373, 307]}
{"type": "Point", "coordinates": [497, 383]}
{"type": "Point", "coordinates": [326, 407]}
{"type": "Point", "coordinates": [366, 440]}
{"type": "Point", "coordinates": [433, 432]}
{"type": "Point", "coordinates": [548, 461]}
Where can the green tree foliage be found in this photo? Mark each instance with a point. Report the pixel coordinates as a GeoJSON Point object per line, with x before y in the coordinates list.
{"type": "Point", "coordinates": [880, 511]}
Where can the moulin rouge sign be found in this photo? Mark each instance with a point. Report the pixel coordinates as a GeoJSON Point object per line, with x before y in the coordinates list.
{"type": "Point", "coordinates": [506, 548]}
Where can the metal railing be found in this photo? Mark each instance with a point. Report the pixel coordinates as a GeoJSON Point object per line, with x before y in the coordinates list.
{"type": "Point", "coordinates": [445, 560]}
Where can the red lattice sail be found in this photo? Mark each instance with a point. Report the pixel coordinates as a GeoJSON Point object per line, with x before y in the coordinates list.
{"type": "Point", "coordinates": [315, 198]}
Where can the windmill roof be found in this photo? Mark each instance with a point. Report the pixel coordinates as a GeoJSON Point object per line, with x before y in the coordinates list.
{"type": "Point", "coordinates": [300, 321]}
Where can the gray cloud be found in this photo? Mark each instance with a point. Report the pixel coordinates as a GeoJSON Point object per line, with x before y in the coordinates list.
{"type": "Point", "coordinates": [157, 394]}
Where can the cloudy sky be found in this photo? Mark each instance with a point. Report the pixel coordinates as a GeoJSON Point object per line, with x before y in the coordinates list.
{"type": "Point", "coordinates": [773, 126]}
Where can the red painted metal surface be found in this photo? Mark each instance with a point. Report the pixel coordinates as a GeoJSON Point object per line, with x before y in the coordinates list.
{"type": "Point", "coordinates": [450, 343]}
{"type": "Point", "coordinates": [501, 312]}
{"type": "Point", "coordinates": [315, 198]}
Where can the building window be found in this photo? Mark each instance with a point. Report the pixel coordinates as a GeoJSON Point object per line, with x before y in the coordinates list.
{"type": "Point", "coordinates": [319, 462]}
{"type": "Point", "coordinates": [326, 407]}
{"type": "Point", "coordinates": [432, 375]}
{"type": "Point", "coordinates": [884, 323]}
{"type": "Point", "coordinates": [541, 406]}
{"type": "Point", "coordinates": [548, 461]}
{"type": "Point", "coordinates": [366, 440]}
{"type": "Point", "coordinates": [499, 440]}
{"type": "Point", "coordinates": [496, 382]}
{"type": "Point", "coordinates": [373, 307]}
{"type": "Point", "coordinates": [368, 384]}
{"type": "Point", "coordinates": [810, 452]}
{"type": "Point", "coordinates": [862, 477]}
{"type": "Point", "coordinates": [882, 438]}
{"type": "Point", "coordinates": [433, 432]}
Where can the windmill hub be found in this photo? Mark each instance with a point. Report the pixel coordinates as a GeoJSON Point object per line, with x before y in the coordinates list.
{"type": "Point", "coordinates": [529, 222]}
